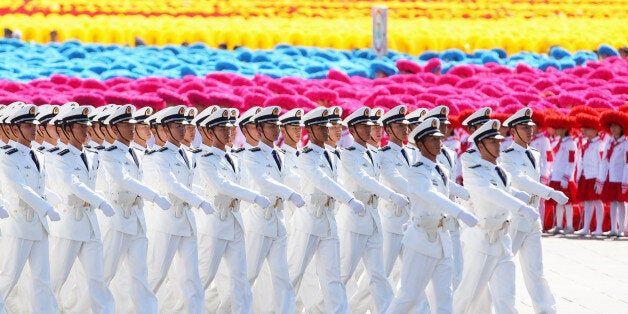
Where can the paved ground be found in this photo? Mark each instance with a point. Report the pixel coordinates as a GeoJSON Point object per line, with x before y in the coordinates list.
{"type": "Point", "coordinates": [587, 275]}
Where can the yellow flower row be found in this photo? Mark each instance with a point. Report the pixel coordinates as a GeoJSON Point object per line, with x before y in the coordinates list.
{"type": "Point", "coordinates": [330, 8]}
{"type": "Point", "coordinates": [412, 36]}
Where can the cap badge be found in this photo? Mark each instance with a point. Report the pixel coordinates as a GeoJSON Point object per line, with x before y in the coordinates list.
{"type": "Point", "coordinates": [336, 111]}
{"type": "Point", "coordinates": [366, 112]}
{"type": "Point", "coordinates": [487, 112]}
{"type": "Point", "coordinates": [128, 109]}
{"type": "Point", "coordinates": [276, 111]}
{"type": "Point", "coordinates": [528, 113]}
{"type": "Point", "coordinates": [32, 111]}
{"type": "Point", "coordinates": [434, 123]}
{"type": "Point", "coordinates": [225, 114]}
{"type": "Point", "coordinates": [495, 125]}
{"type": "Point", "coordinates": [182, 110]}
{"type": "Point", "coordinates": [443, 110]}
{"type": "Point", "coordinates": [55, 110]}
{"type": "Point", "coordinates": [402, 110]}
{"type": "Point", "coordinates": [298, 113]}
{"type": "Point", "coordinates": [85, 111]}
{"type": "Point", "coordinates": [325, 113]}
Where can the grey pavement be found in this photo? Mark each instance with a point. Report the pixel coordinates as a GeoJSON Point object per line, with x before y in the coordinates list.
{"type": "Point", "coordinates": [586, 274]}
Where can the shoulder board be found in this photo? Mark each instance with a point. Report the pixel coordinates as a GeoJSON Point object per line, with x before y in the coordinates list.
{"type": "Point", "coordinates": [99, 147]}
{"type": "Point", "coordinates": [282, 150]}
{"type": "Point", "coordinates": [207, 155]}
{"type": "Point", "coordinates": [532, 148]}
{"type": "Point", "coordinates": [418, 164]}
{"type": "Point", "coordinates": [237, 150]}
{"type": "Point", "coordinates": [63, 152]}
{"type": "Point", "coordinates": [475, 166]}
{"type": "Point", "coordinates": [471, 151]}
{"type": "Point", "coordinates": [6, 146]}
{"type": "Point", "coordinates": [54, 149]}
{"type": "Point", "coordinates": [195, 150]}
{"type": "Point", "coordinates": [11, 151]}
{"type": "Point", "coordinates": [110, 148]}
{"type": "Point", "coordinates": [41, 148]}
{"type": "Point", "coordinates": [385, 148]}
{"type": "Point", "coordinates": [161, 149]}
{"type": "Point", "coordinates": [350, 148]}
{"type": "Point", "coordinates": [508, 150]}
{"type": "Point", "coordinates": [148, 152]}
{"type": "Point", "coordinates": [410, 147]}
{"type": "Point", "coordinates": [88, 146]}
{"type": "Point", "coordinates": [306, 150]}
{"type": "Point", "coordinates": [255, 149]}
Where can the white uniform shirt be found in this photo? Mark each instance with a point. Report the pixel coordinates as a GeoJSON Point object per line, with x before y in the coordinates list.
{"type": "Point", "coordinates": [220, 184]}
{"type": "Point", "coordinates": [320, 192]}
{"type": "Point", "coordinates": [24, 189]}
{"type": "Point", "coordinates": [166, 172]}
{"type": "Point", "coordinates": [75, 183]}
{"type": "Point", "coordinates": [394, 174]}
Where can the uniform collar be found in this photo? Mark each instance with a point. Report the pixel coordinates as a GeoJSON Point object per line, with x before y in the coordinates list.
{"type": "Point", "coordinates": [120, 146]}
{"type": "Point", "coordinates": [371, 147]}
{"type": "Point", "coordinates": [316, 148]}
{"type": "Point", "coordinates": [487, 164]}
{"type": "Point", "coordinates": [265, 148]}
{"type": "Point", "coordinates": [137, 146]}
{"type": "Point", "coordinates": [216, 151]}
{"type": "Point", "coordinates": [171, 146]}
{"type": "Point", "coordinates": [247, 145]}
{"type": "Point", "coordinates": [427, 162]}
{"type": "Point", "coordinates": [289, 149]}
{"type": "Point", "coordinates": [20, 147]}
{"type": "Point", "coordinates": [360, 148]}
{"type": "Point", "coordinates": [74, 150]}
{"type": "Point", "coordinates": [518, 147]}
{"type": "Point", "coordinates": [394, 146]}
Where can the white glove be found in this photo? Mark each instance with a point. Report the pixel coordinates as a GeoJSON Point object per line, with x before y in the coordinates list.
{"type": "Point", "coordinates": [523, 196]}
{"type": "Point", "coordinates": [3, 213]}
{"type": "Point", "coordinates": [296, 199]}
{"type": "Point", "coordinates": [559, 197]}
{"type": "Point", "coordinates": [107, 209]}
{"type": "Point", "coordinates": [262, 201]}
{"type": "Point", "coordinates": [207, 208]}
{"type": "Point", "coordinates": [599, 186]}
{"type": "Point", "coordinates": [356, 205]}
{"type": "Point", "coordinates": [468, 218]}
{"type": "Point", "coordinates": [162, 202]}
{"type": "Point", "coordinates": [528, 213]}
{"type": "Point", "coordinates": [52, 214]}
{"type": "Point", "coordinates": [399, 200]}
{"type": "Point", "coordinates": [564, 184]}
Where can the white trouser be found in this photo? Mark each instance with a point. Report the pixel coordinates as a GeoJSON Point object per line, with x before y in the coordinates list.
{"type": "Point", "coordinates": [63, 253]}
{"type": "Point", "coordinates": [528, 245]}
{"type": "Point", "coordinates": [457, 255]}
{"type": "Point", "coordinates": [130, 251]}
{"type": "Point", "coordinates": [368, 248]}
{"type": "Point", "coordinates": [481, 271]}
{"type": "Point", "coordinates": [418, 270]}
{"type": "Point", "coordinates": [15, 253]}
{"type": "Point", "coordinates": [273, 250]}
{"type": "Point", "coordinates": [211, 251]}
{"type": "Point", "coordinates": [162, 248]}
{"type": "Point", "coordinates": [327, 251]}
{"type": "Point", "coordinates": [361, 301]}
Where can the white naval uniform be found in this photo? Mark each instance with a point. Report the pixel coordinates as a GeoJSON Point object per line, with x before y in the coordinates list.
{"type": "Point", "coordinates": [428, 253]}
{"type": "Point", "coordinates": [124, 234]}
{"type": "Point", "coordinates": [394, 174]}
{"type": "Point", "coordinates": [26, 230]}
{"type": "Point", "coordinates": [360, 235]}
{"type": "Point", "coordinates": [77, 234]}
{"type": "Point", "coordinates": [487, 248]}
{"type": "Point", "coordinates": [266, 234]}
{"type": "Point", "coordinates": [173, 231]}
{"type": "Point", "coordinates": [315, 231]}
{"type": "Point", "coordinates": [291, 179]}
{"type": "Point", "coordinates": [222, 233]}
{"type": "Point", "coordinates": [524, 168]}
